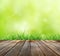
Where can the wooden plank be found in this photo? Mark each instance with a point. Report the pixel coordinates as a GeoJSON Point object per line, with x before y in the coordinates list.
{"type": "Point", "coordinates": [52, 47]}
{"type": "Point", "coordinates": [45, 49]}
{"type": "Point", "coordinates": [4, 44]}
{"type": "Point", "coordinates": [56, 44]}
{"type": "Point", "coordinates": [58, 40]}
{"type": "Point", "coordinates": [7, 48]}
{"type": "Point", "coordinates": [50, 41]}
{"type": "Point", "coordinates": [1, 43]}
{"type": "Point", "coordinates": [25, 51]}
{"type": "Point", "coordinates": [14, 51]}
{"type": "Point", "coordinates": [35, 50]}
{"type": "Point", "coordinates": [2, 40]}
{"type": "Point", "coordinates": [29, 48]}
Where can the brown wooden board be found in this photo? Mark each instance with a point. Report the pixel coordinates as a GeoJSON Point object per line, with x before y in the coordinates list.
{"type": "Point", "coordinates": [16, 49]}
{"type": "Point", "coordinates": [29, 48]}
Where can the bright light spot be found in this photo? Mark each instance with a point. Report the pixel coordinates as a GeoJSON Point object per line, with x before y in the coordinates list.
{"type": "Point", "coordinates": [22, 27]}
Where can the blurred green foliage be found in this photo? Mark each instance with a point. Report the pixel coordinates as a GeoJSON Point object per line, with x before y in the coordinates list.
{"type": "Point", "coordinates": [41, 16]}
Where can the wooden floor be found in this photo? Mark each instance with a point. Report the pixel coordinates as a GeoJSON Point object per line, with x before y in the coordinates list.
{"type": "Point", "coordinates": [29, 48]}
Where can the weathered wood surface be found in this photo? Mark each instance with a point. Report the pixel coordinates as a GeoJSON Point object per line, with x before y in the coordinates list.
{"type": "Point", "coordinates": [29, 48]}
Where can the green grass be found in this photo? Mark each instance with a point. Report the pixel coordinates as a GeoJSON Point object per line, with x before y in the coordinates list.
{"type": "Point", "coordinates": [31, 37]}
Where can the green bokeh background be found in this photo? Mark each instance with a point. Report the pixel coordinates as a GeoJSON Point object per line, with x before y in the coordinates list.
{"type": "Point", "coordinates": [42, 16]}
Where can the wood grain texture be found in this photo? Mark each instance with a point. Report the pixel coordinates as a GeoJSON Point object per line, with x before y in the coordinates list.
{"type": "Point", "coordinates": [29, 48]}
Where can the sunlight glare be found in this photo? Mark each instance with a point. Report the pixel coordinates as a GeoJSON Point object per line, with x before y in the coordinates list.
{"type": "Point", "coordinates": [22, 27]}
